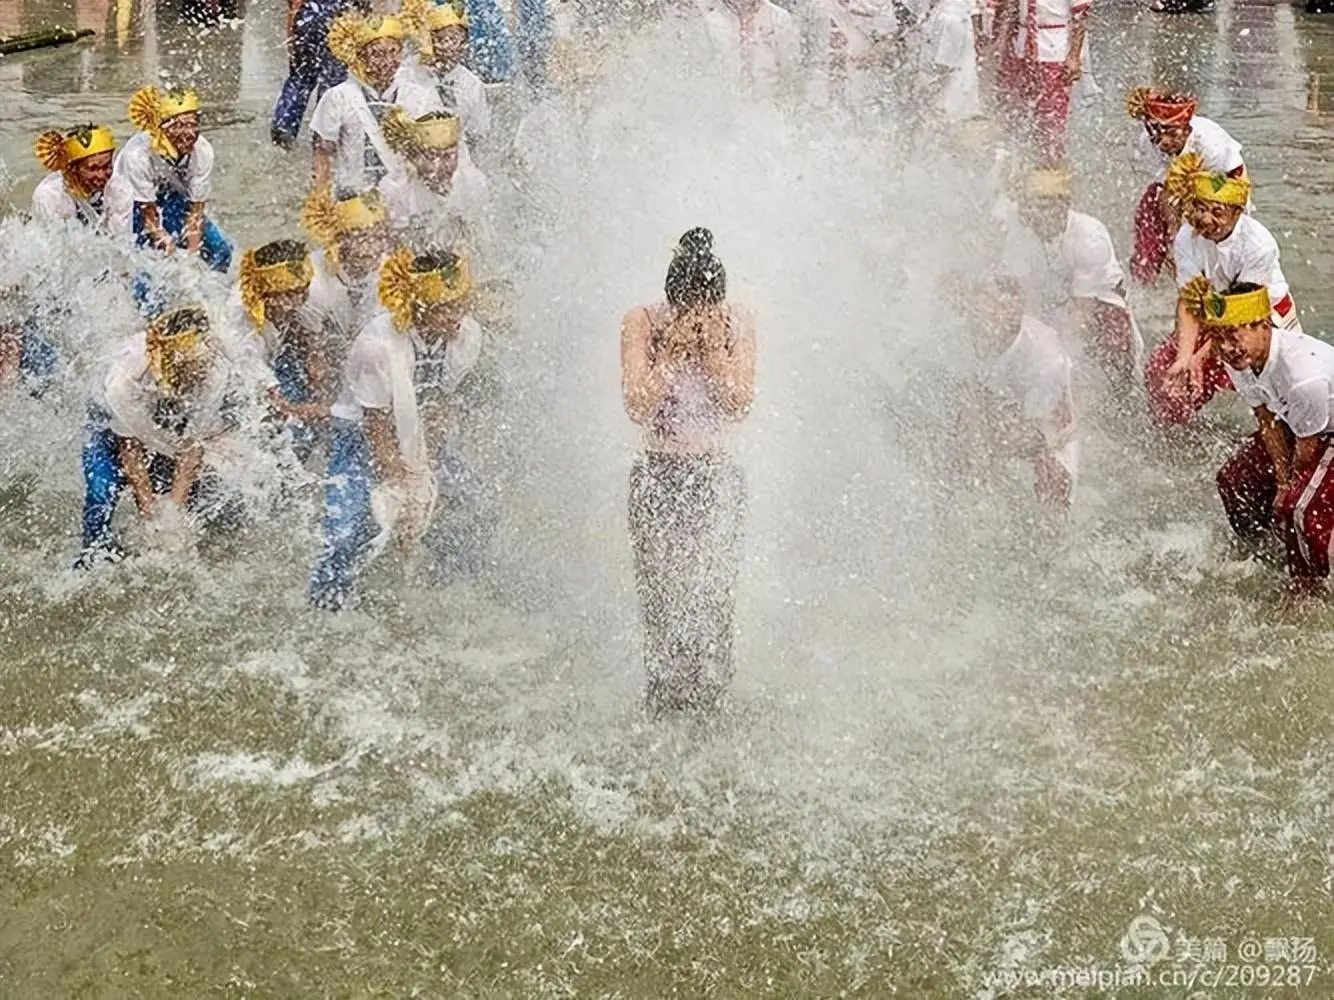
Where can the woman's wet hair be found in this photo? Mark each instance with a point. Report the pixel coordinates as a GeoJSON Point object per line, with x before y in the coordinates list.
{"type": "Point", "coordinates": [695, 276]}
{"type": "Point", "coordinates": [280, 252]}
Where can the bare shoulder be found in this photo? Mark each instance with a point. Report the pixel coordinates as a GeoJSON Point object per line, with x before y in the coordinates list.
{"type": "Point", "coordinates": [638, 321]}
{"type": "Point", "coordinates": [742, 317]}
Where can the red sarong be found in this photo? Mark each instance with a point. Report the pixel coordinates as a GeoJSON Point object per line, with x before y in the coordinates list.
{"type": "Point", "coordinates": [1037, 96]}
{"type": "Point", "coordinates": [1172, 402]}
{"type": "Point", "coordinates": [1303, 514]}
{"type": "Point", "coordinates": [1153, 238]}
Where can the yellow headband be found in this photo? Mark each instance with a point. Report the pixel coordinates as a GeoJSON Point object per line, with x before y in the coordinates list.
{"type": "Point", "coordinates": [270, 279]}
{"type": "Point", "coordinates": [402, 288]}
{"type": "Point", "coordinates": [410, 138]}
{"type": "Point", "coordinates": [57, 152]}
{"type": "Point", "coordinates": [150, 109]}
{"type": "Point", "coordinates": [421, 17]}
{"type": "Point", "coordinates": [1188, 182]}
{"type": "Point", "coordinates": [327, 220]}
{"type": "Point", "coordinates": [352, 32]}
{"type": "Point", "coordinates": [169, 352]}
{"type": "Point", "coordinates": [1214, 309]}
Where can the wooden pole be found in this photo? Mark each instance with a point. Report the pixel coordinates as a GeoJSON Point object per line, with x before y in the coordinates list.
{"type": "Point", "coordinates": [41, 40]}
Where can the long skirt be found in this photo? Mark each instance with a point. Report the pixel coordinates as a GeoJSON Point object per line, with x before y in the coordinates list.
{"type": "Point", "coordinates": [686, 514]}
{"type": "Point", "coordinates": [1303, 515]}
{"type": "Point", "coordinates": [1035, 96]}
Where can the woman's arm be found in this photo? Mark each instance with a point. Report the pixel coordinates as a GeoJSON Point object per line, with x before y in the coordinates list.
{"type": "Point", "coordinates": [643, 382]}
{"type": "Point", "coordinates": [731, 366]}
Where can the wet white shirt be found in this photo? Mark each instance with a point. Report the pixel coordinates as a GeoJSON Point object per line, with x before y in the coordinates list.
{"type": "Point", "coordinates": [949, 49]}
{"type": "Point", "coordinates": [386, 370]}
{"type": "Point", "coordinates": [1035, 373]}
{"type": "Point", "coordinates": [763, 60]}
{"type": "Point", "coordinates": [138, 406]}
{"type": "Point", "coordinates": [1296, 383]}
{"type": "Point", "coordinates": [460, 92]}
{"type": "Point", "coordinates": [339, 306]}
{"type": "Point", "coordinates": [145, 172]}
{"type": "Point", "coordinates": [1052, 19]}
{"type": "Point", "coordinates": [110, 213]}
{"type": "Point", "coordinates": [1249, 254]}
{"type": "Point", "coordinates": [1221, 153]}
{"type": "Point", "coordinates": [344, 117]}
{"type": "Point", "coordinates": [414, 208]}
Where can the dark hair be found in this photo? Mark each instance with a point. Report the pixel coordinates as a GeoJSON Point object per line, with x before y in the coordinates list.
{"type": "Point", "coordinates": [281, 251]}
{"type": "Point", "coordinates": [185, 318]}
{"type": "Point", "coordinates": [695, 276]}
{"type": "Point", "coordinates": [1242, 287]}
{"type": "Point", "coordinates": [435, 260]}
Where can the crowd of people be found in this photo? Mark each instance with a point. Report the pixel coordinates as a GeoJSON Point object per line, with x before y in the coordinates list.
{"type": "Point", "coordinates": [357, 339]}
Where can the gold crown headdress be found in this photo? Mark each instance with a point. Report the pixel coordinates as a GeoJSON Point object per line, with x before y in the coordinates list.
{"type": "Point", "coordinates": [1188, 181]}
{"type": "Point", "coordinates": [1216, 309]}
{"type": "Point", "coordinates": [150, 108]}
{"type": "Point", "coordinates": [258, 280]}
{"type": "Point", "coordinates": [351, 32]}
{"type": "Point", "coordinates": [326, 220]}
{"type": "Point", "coordinates": [402, 288]}
{"type": "Point", "coordinates": [410, 138]}
{"type": "Point", "coordinates": [421, 17]}
{"type": "Point", "coordinates": [176, 339]}
{"type": "Point", "coordinates": [58, 151]}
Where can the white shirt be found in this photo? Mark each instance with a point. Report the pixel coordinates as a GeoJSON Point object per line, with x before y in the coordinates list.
{"type": "Point", "coordinates": [345, 118]}
{"type": "Point", "coordinates": [1249, 254]}
{"type": "Point", "coordinates": [338, 306]}
{"type": "Point", "coordinates": [1220, 152]}
{"type": "Point", "coordinates": [1034, 372]}
{"type": "Point", "coordinates": [1296, 383]}
{"type": "Point", "coordinates": [134, 400]}
{"type": "Point", "coordinates": [111, 213]}
{"type": "Point", "coordinates": [386, 370]}
{"type": "Point", "coordinates": [767, 57]}
{"type": "Point", "coordinates": [948, 48]}
{"type": "Point", "coordinates": [415, 208]}
{"type": "Point", "coordinates": [460, 92]}
{"type": "Point", "coordinates": [146, 173]}
{"type": "Point", "coordinates": [1052, 19]}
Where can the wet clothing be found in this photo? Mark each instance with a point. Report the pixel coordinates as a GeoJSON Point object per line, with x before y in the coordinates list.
{"type": "Point", "coordinates": [1249, 254]}
{"type": "Point", "coordinates": [686, 514]}
{"type": "Point", "coordinates": [1303, 517]}
{"type": "Point", "coordinates": [109, 211]}
{"type": "Point", "coordinates": [763, 56]}
{"type": "Point", "coordinates": [349, 116]}
{"type": "Point", "coordinates": [312, 68]}
{"type": "Point", "coordinates": [173, 187]}
{"type": "Point", "coordinates": [1032, 378]}
{"type": "Point", "coordinates": [1153, 237]}
{"type": "Point", "coordinates": [460, 91]}
{"type": "Point", "coordinates": [1032, 79]}
{"type": "Point", "coordinates": [949, 61]}
{"type": "Point", "coordinates": [392, 371]}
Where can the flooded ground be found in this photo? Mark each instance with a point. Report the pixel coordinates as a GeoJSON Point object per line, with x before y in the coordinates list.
{"type": "Point", "coordinates": [962, 759]}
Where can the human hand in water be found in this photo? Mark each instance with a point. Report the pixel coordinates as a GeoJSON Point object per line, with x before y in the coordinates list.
{"type": "Point", "coordinates": [1074, 69]}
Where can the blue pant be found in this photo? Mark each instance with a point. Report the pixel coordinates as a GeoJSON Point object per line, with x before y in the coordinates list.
{"type": "Point", "coordinates": [311, 68]}
{"type": "Point", "coordinates": [104, 479]}
{"type": "Point", "coordinates": [172, 207]}
{"type": "Point", "coordinates": [490, 47]}
{"type": "Point", "coordinates": [536, 32]}
{"type": "Point", "coordinates": [37, 361]}
{"type": "Point", "coordinates": [460, 533]}
{"type": "Point", "coordinates": [294, 385]}
{"type": "Point", "coordinates": [349, 525]}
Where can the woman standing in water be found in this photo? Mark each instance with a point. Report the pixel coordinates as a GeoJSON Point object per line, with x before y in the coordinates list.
{"type": "Point", "coordinates": [687, 371]}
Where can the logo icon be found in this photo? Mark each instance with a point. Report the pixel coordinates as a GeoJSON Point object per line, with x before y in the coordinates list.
{"type": "Point", "coordinates": [1145, 941]}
